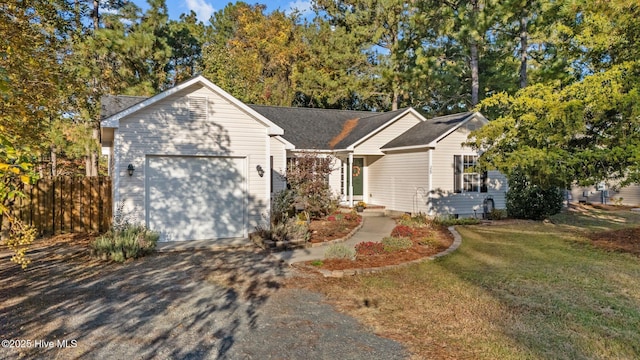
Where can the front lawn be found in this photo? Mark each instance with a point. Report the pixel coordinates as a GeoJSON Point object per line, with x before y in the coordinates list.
{"type": "Point", "coordinates": [518, 290]}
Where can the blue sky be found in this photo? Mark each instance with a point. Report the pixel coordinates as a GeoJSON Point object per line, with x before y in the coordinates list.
{"type": "Point", "coordinates": [205, 8]}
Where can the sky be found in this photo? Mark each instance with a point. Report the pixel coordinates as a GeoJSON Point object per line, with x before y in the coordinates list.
{"type": "Point", "coordinates": [205, 8]}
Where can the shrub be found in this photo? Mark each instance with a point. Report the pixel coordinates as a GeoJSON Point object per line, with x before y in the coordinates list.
{"type": "Point", "coordinates": [339, 251]}
{"type": "Point", "coordinates": [393, 244]}
{"type": "Point", "coordinates": [368, 248]}
{"type": "Point", "coordinates": [428, 241]}
{"type": "Point", "coordinates": [497, 214]}
{"type": "Point", "coordinates": [451, 221]}
{"type": "Point", "coordinates": [282, 206]}
{"type": "Point", "coordinates": [418, 220]}
{"type": "Point", "coordinates": [128, 242]}
{"type": "Point", "coordinates": [529, 201]}
{"type": "Point", "coordinates": [284, 231]}
{"type": "Point", "coordinates": [402, 231]}
{"type": "Point", "coordinates": [306, 176]}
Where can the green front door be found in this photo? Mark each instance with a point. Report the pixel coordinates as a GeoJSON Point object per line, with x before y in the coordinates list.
{"type": "Point", "coordinates": [358, 177]}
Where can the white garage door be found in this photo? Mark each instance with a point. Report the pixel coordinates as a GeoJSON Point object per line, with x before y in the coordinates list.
{"type": "Point", "coordinates": [196, 198]}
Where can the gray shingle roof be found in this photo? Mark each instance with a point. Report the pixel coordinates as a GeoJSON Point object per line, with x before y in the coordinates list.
{"type": "Point", "coordinates": [324, 129]}
{"type": "Point", "coordinates": [428, 131]}
{"type": "Point", "coordinates": [113, 104]}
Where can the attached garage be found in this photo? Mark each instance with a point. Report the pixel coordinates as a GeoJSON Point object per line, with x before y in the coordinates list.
{"type": "Point", "coordinates": [196, 198]}
{"type": "Point", "coordinates": [190, 162]}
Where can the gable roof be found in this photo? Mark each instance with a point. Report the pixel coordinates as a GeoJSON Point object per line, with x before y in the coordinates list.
{"type": "Point", "coordinates": [325, 129]}
{"type": "Point", "coordinates": [113, 104]}
{"type": "Point", "coordinates": [113, 120]}
{"type": "Point", "coordinates": [429, 132]}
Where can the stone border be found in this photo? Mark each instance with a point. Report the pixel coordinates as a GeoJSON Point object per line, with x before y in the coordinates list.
{"type": "Point", "coordinates": [457, 241]}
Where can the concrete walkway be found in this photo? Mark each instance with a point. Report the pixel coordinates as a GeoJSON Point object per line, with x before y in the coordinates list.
{"type": "Point", "coordinates": [374, 228]}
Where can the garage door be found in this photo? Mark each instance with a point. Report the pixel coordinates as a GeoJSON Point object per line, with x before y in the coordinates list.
{"type": "Point", "coordinates": [196, 198]}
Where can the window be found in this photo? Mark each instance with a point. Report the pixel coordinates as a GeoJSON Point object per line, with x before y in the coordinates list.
{"type": "Point", "coordinates": [308, 165]}
{"type": "Point", "coordinates": [465, 175]}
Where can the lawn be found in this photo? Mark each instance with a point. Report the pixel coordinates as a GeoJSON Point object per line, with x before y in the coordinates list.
{"type": "Point", "coordinates": [512, 291]}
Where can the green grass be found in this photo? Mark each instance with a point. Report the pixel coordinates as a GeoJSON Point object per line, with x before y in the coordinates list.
{"type": "Point", "coordinates": [526, 290]}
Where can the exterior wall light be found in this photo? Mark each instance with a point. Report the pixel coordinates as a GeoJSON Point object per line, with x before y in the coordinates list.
{"type": "Point", "coordinates": [260, 170]}
{"type": "Point", "coordinates": [130, 169]}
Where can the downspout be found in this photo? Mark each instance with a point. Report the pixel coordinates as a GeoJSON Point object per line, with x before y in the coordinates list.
{"type": "Point", "coordinates": [350, 179]}
{"type": "Point", "coordinates": [430, 188]}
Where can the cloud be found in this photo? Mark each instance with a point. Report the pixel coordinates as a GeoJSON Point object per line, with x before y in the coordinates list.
{"type": "Point", "coordinates": [303, 7]}
{"type": "Point", "coordinates": [202, 9]}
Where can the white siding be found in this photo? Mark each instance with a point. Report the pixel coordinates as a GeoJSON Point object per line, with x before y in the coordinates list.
{"type": "Point", "coordinates": [443, 159]}
{"type": "Point", "coordinates": [335, 178]}
{"type": "Point", "coordinates": [628, 195]}
{"type": "Point", "coordinates": [444, 200]}
{"type": "Point", "coordinates": [464, 204]}
{"type": "Point", "coordinates": [165, 128]}
{"type": "Point", "coordinates": [399, 180]}
{"type": "Point", "coordinates": [279, 171]}
{"type": "Point", "coordinates": [372, 145]}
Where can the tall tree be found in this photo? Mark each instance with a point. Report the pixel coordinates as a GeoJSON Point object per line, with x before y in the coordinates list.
{"type": "Point", "coordinates": [390, 31]}
{"type": "Point", "coordinates": [335, 71]}
{"type": "Point", "coordinates": [253, 54]}
{"type": "Point", "coordinates": [185, 37]}
{"type": "Point", "coordinates": [33, 89]}
{"type": "Point", "coordinates": [585, 132]}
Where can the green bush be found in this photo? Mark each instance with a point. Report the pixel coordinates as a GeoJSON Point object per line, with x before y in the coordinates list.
{"type": "Point", "coordinates": [282, 206]}
{"type": "Point", "coordinates": [127, 242]}
{"type": "Point", "coordinates": [428, 241]}
{"type": "Point", "coordinates": [339, 251]}
{"type": "Point", "coordinates": [497, 214]}
{"type": "Point", "coordinates": [393, 244]}
{"type": "Point", "coordinates": [451, 221]}
{"type": "Point", "coordinates": [529, 201]}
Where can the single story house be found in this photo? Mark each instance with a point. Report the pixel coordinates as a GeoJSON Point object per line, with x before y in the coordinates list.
{"type": "Point", "coordinates": [193, 162]}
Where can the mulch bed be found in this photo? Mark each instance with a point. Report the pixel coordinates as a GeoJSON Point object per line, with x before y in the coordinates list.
{"type": "Point", "coordinates": [325, 230]}
{"type": "Point", "coordinates": [442, 240]}
{"type": "Point", "coordinates": [623, 240]}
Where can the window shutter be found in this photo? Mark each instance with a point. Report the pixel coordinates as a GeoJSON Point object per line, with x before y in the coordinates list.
{"type": "Point", "coordinates": [457, 173]}
{"type": "Point", "coordinates": [484, 181]}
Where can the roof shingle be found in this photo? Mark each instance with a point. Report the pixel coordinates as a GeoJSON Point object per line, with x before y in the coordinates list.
{"type": "Point", "coordinates": [427, 131]}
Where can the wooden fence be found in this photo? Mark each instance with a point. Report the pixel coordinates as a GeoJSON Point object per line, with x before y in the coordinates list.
{"type": "Point", "coordinates": [66, 204]}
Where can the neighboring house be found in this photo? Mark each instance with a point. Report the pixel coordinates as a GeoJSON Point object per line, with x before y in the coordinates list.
{"type": "Point", "coordinates": [201, 160]}
{"type": "Point", "coordinates": [604, 194]}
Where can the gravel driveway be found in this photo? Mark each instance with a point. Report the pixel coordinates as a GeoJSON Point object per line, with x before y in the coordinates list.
{"type": "Point", "coordinates": [182, 305]}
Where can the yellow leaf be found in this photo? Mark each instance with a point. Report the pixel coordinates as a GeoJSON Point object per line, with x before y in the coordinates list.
{"type": "Point", "coordinates": [14, 170]}
{"type": "Point", "coordinates": [25, 179]}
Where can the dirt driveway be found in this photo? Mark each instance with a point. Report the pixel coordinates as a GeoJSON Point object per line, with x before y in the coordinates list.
{"type": "Point", "coordinates": [181, 305]}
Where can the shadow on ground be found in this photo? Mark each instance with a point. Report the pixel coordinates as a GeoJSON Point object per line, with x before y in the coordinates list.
{"type": "Point", "coordinates": [175, 305]}
{"type": "Point", "coordinates": [184, 305]}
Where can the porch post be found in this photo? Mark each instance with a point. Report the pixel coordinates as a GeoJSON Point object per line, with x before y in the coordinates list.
{"type": "Point", "coordinates": [429, 204]}
{"type": "Point", "coordinates": [350, 179]}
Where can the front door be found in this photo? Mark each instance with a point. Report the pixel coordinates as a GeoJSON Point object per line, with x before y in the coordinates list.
{"type": "Point", "coordinates": [358, 176]}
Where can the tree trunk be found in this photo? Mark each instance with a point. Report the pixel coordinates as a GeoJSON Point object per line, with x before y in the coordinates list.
{"type": "Point", "coordinates": [54, 162]}
{"type": "Point", "coordinates": [475, 81]}
{"type": "Point", "coordinates": [95, 15]}
{"type": "Point", "coordinates": [523, 51]}
{"type": "Point", "coordinates": [395, 100]}
{"type": "Point", "coordinates": [475, 77]}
